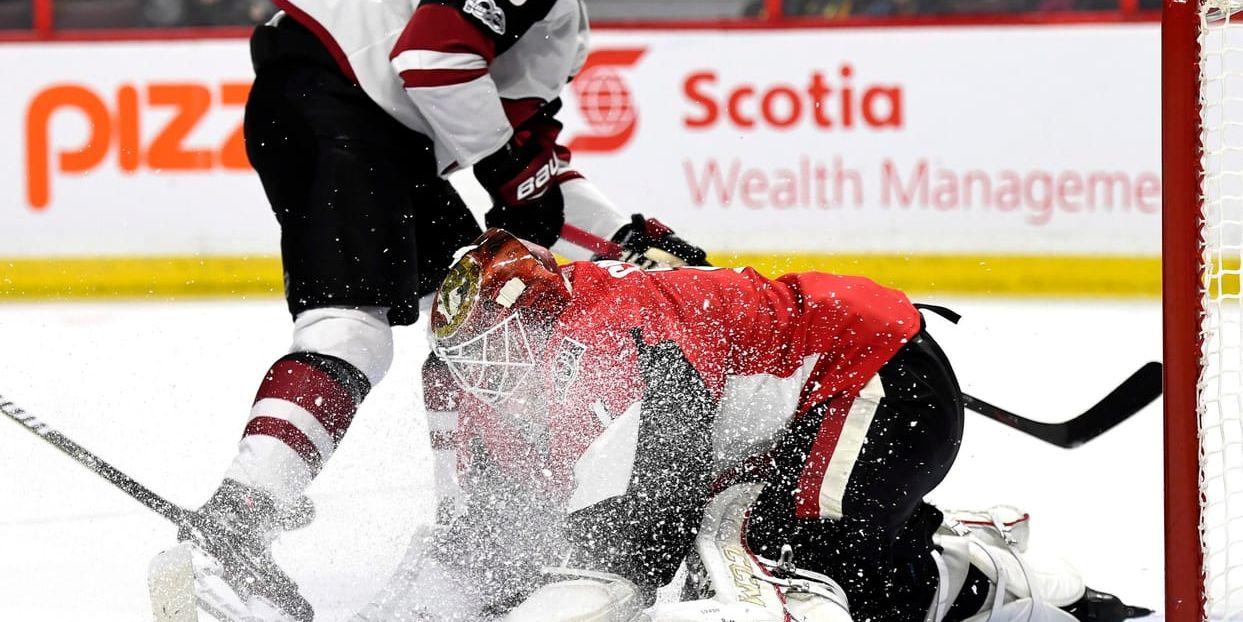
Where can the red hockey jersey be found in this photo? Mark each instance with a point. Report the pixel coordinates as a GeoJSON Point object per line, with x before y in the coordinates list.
{"type": "Point", "coordinates": [762, 351]}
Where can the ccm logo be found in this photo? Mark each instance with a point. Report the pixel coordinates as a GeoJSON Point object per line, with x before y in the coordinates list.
{"type": "Point", "coordinates": [534, 186]}
{"type": "Point", "coordinates": [116, 127]}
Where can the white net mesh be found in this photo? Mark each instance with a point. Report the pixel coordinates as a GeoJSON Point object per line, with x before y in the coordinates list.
{"type": "Point", "coordinates": [1221, 382]}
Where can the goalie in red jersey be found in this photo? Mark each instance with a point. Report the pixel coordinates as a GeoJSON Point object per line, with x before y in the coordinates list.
{"type": "Point", "coordinates": [779, 435]}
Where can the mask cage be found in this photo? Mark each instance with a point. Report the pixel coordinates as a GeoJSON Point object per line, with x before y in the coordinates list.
{"type": "Point", "coordinates": [494, 364]}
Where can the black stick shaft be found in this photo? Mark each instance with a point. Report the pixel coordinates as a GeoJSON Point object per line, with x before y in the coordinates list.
{"type": "Point", "coordinates": [156, 503]}
{"type": "Point", "coordinates": [1124, 401]}
{"type": "Point", "coordinates": [1049, 432]}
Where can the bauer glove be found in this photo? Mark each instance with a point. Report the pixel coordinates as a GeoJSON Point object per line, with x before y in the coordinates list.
{"type": "Point", "coordinates": [526, 197]}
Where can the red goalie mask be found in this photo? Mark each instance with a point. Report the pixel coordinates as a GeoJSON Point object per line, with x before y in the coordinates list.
{"type": "Point", "coordinates": [493, 312]}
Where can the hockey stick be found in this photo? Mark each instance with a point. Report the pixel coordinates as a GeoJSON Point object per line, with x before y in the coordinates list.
{"type": "Point", "coordinates": [174, 513]}
{"type": "Point", "coordinates": [172, 583]}
{"type": "Point", "coordinates": [1125, 400]}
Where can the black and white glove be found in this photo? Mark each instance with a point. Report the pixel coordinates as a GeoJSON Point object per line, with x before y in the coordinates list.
{"type": "Point", "coordinates": [526, 197]}
{"type": "Point", "coordinates": [649, 243]}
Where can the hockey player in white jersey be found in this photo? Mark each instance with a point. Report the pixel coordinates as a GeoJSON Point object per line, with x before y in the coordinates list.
{"type": "Point", "coordinates": [357, 112]}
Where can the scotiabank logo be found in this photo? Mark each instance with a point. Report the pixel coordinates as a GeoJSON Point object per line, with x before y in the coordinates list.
{"type": "Point", "coordinates": [114, 125]}
{"type": "Point", "coordinates": [605, 102]}
{"type": "Point", "coordinates": [826, 102]}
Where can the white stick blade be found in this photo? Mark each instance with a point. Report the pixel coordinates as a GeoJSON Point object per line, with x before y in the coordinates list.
{"type": "Point", "coordinates": [170, 579]}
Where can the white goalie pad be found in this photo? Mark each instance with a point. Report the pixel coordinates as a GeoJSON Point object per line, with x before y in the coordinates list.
{"type": "Point", "coordinates": [1023, 588]}
{"type": "Point", "coordinates": [1000, 525]}
{"type": "Point", "coordinates": [593, 597]}
{"type": "Point", "coordinates": [735, 585]}
{"type": "Point", "coordinates": [735, 575]}
{"type": "Point", "coordinates": [742, 585]}
{"type": "Point", "coordinates": [183, 580]}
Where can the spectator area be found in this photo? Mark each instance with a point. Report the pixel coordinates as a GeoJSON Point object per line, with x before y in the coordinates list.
{"type": "Point", "coordinates": [51, 18]}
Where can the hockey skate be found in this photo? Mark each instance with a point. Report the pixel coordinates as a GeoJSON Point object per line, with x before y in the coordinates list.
{"type": "Point", "coordinates": [224, 563]}
{"type": "Point", "coordinates": [1097, 606]}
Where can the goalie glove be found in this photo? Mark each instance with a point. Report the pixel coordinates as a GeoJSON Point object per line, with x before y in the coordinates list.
{"type": "Point", "coordinates": [521, 178]}
{"type": "Point", "coordinates": [649, 243]}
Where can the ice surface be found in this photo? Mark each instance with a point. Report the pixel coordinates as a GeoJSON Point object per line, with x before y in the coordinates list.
{"type": "Point", "coordinates": [163, 390]}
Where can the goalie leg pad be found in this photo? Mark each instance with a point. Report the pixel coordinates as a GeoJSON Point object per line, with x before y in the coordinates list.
{"type": "Point", "coordinates": [736, 585]}
{"type": "Point", "coordinates": [734, 573]}
{"type": "Point", "coordinates": [598, 597]}
{"type": "Point", "coordinates": [989, 548]}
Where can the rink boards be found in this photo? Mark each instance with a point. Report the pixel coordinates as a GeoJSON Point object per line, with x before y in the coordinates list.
{"type": "Point", "coordinates": [1016, 159]}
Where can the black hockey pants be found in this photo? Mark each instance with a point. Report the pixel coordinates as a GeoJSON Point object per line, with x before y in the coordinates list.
{"type": "Point", "coordinates": [365, 219]}
{"type": "Point", "coordinates": [874, 533]}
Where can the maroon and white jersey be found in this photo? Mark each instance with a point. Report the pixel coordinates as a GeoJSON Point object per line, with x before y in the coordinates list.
{"type": "Point", "coordinates": [463, 72]}
{"type": "Point", "coordinates": [727, 349]}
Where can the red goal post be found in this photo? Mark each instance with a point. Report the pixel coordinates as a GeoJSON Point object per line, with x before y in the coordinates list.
{"type": "Point", "coordinates": [1202, 240]}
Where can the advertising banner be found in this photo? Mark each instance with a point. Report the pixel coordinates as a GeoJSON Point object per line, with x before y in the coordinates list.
{"type": "Point", "coordinates": [1040, 140]}
{"type": "Point", "coordinates": [128, 149]}
{"type": "Point", "coordinates": [1037, 143]}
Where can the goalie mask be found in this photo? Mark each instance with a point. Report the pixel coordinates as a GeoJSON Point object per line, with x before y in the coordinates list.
{"type": "Point", "coordinates": [493, 312]}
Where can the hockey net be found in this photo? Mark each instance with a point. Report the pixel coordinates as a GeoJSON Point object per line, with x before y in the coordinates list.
{"type": "Point", "coordinates": [1202, 86]}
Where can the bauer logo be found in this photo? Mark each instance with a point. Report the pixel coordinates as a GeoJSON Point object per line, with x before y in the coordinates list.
{"type": "Point", "coordinates": [137, 128]}
{"type": "Point", "coordinates": [605, 101]}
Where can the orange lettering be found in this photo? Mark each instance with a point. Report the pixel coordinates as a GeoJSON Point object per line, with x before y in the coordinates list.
{"type": "Point", "coordinates": [233, 152]}
{"type": "Point", "coordinates": [129, 149]}
{"type": "Point", "coordinates": [191, 102]}
{"type": "Point", "coordinates": [38, 150]}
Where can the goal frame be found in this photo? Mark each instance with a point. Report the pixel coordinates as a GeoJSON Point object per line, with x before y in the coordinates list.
{"type": "Point", "coordinates": [1182, 296]}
